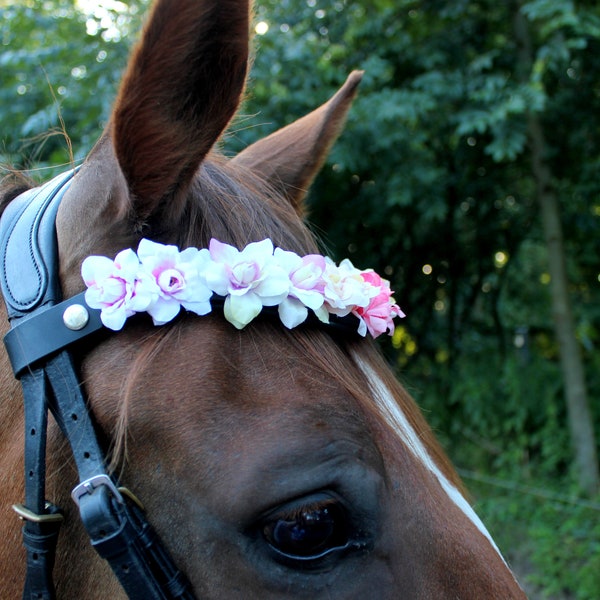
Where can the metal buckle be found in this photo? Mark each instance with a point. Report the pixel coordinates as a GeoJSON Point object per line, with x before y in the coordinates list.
{"type": "Point", "coordinates": [28, 515]}
{"type": "Point", "coordinates": [89, 485]}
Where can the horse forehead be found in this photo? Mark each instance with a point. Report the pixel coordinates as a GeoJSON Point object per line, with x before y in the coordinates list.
{"type": "Point", "coordinates": [261, 381]}
{"type": "Point", "coordinates": [207, 378]}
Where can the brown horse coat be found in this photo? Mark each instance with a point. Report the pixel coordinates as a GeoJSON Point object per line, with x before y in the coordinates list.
{"type": "Point", "coordinates": [225, 434]}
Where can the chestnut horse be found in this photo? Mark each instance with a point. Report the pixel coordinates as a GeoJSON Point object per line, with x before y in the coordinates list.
{"type": "Point", "coordinates": [234, 438]}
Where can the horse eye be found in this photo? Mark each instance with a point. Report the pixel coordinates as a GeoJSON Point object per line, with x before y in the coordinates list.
{"type": "Point", "coordinates": [309, 531]}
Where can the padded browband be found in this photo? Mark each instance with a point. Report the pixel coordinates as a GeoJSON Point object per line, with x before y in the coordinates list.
{"type": "Point", "coordinates": [29, 277]}
{"type": "Point", "coordinates": [29, 248]}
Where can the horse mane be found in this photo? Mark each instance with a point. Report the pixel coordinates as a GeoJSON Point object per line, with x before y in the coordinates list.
{"type": "Point", "coordinates": [11, 186]}
{"type": "Point", "coordinates": [237, 207]}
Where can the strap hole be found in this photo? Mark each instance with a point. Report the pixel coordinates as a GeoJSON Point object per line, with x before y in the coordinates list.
{"type": "Point", "coordinates": [74, 417]}
{"type": "Point", "coordinates": [86, 455]}
{"type": "Point", "coordinates": [31, 473]}
{"type": "Point", "coordinates": [35, 556]}
{"type": "Point", "coordinates": [33, 431]}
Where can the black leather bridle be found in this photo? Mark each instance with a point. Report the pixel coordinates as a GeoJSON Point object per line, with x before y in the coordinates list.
{"type": "Point", "coordinates": [43, 329]}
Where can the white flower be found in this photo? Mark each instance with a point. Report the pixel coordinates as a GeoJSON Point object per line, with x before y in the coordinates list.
{"type": "Point", "coordinates": [118, 287]}
{"type": "Point", "coordinates": [249, 279]}
{"type": "Point", "coordinates": [345, 289]}
{"type": "Point", "coordinates": [178, 278]}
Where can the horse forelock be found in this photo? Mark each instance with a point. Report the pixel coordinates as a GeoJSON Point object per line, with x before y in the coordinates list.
{"type": "Point", "coordinates": [237, 207]}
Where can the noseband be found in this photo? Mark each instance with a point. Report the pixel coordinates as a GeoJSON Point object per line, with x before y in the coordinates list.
{"type": "Point", "coordinates": [43, 329]}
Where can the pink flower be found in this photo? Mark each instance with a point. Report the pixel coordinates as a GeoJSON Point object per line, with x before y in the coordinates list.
{"type": "Point", "coordinates": [378, 316]}
{"type": "Point", "coordinates": [375, 280]}
{"type": "Point", "coordinates": [117, 287]}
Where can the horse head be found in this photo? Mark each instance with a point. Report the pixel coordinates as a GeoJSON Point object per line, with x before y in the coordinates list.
{"type": "Point", "coordinates": [272, 462]}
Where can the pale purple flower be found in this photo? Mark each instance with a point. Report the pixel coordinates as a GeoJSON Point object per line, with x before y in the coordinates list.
{"type": "Point", "coordinates": [306, 286]}
{"type": "Point", "coordinates": [248, 279]}
{"type": "Point", "coordinates": [179, 279]}
{"type": "Point", "coordinates": [118, 287]}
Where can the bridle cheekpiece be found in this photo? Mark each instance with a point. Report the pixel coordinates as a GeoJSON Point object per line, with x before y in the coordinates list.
{"type": "Point", "coordinates": [43, 328]}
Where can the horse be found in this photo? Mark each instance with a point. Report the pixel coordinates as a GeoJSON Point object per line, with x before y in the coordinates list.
{"type": "Point", "coordinates": [271, 461]}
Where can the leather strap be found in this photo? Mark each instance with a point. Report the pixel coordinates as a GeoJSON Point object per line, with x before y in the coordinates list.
{"type": "Point", "coordinates": [32, 340]}
{"type": "Point", "coordinates": [38, 348]}
{"type": "Point", "coordinates": [40, 531]}
{"type": "Point", "coordinates": [120, 534]}
{"type": "Point", "coordinates": [118, 529]}
{"type": "Point", "coordinates": [28, 241]}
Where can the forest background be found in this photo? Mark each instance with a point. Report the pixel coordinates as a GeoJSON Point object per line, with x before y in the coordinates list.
{"type": "Point", "coordinates": [468, 173]}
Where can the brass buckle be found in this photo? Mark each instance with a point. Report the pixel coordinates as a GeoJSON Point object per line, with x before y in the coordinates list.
{"type": "Point", "coordinates": [131, 496]}
{"type": "Point", "coordinates": [28, 515]}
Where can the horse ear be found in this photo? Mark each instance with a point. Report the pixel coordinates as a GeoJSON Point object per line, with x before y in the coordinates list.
{"type": "Point", "coordinates": [291, 157]}
{"type": "Point", "coordinates": [182, 86]}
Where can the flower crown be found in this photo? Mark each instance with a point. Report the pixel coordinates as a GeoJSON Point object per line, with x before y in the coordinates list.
{"type": "Point", "coordinates": [161, 279]}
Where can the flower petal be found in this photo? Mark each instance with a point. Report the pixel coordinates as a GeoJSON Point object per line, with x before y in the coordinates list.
{"type": "Point", "coordinates": [292, 312]}
{"type": "Point", "coordinates": [216, 278]}
{"type": "Point", "coordinates": [223, 253]}
{"type": "Point", "coordinates": [164, 310]}
{"type": "Point", "coordinates": [127, 262]}
{"type": "Point", "coordinates": [322, 314]}
{"type": "Point", "coordinates": [362, 327]}
{"type": "Point", "coordinates": [96, 268]}
{"type": "Point", "coordinates": [114, 318]}
{"type": "Point", "coordinates": [200, 308]}
{"type": "Point", "coordinates": [240, 310]}
{"type": "Point", "coordinates": [274, 287]}
{"type": "Point", "coordinates": [258, 252]}
{"type": "Point", "coordinates": [310, 298]}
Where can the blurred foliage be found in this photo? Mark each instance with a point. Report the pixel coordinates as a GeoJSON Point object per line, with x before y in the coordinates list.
{"type": "Point", "coordinates": [51, 69]}
{"type": "Point", "coordinates": [557, 534]}
{"type": "Point", "coordinates": [430, 184]}
{"type": "Point", "coordinates": [578, 530]}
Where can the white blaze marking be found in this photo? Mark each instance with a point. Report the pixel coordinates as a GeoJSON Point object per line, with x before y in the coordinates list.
{"type": "Point", "coordinates": [398, 421]}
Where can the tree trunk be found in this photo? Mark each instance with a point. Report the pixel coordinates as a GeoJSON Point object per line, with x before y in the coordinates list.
{"type": "Point", "coordinates": [578, 409]}
{"type": "Point", "coordinates": [580, 418]}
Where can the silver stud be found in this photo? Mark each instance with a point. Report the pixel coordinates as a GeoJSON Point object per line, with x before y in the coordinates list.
{"type": "Point", "coordinates": [76, 317]}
